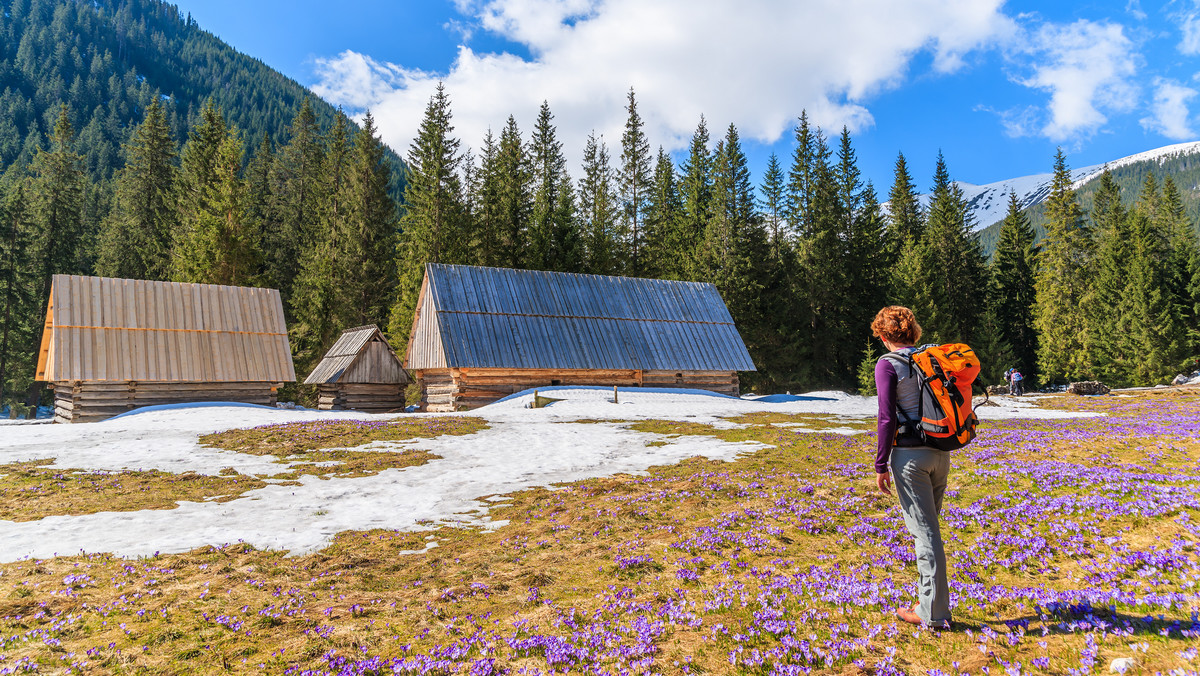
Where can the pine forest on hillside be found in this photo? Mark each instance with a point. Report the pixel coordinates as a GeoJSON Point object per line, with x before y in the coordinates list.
{"type": "Point", "coordinates": [107, 61]}
{"type": "Point", "coordinates": [804, 259]}
{"type": "Point", "coordinates": [1184, 170]}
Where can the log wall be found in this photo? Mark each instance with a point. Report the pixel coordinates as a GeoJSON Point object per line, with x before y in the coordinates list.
{"type": "Point", "coordinates": [366, 397]}
{"type": "Point", "coordinates": [91, 401]}
{"type": "Point", "coordinates": [445, 390]}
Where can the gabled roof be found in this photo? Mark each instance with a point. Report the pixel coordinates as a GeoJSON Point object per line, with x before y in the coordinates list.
{"type": "Point", "coordinates": [104, 329]}
{"type": "Point", "coordinates": [360, 355]}
{"type": "Point", "coordinates": [475, 317]}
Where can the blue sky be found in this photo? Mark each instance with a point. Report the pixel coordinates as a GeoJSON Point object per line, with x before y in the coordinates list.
{"type": "Point", "coordinates": [995, 86]}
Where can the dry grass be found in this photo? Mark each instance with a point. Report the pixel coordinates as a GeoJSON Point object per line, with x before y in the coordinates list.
{"type": "Point", "coordinates": [294, 438]}
{"type": "Point", "coordinates": [31, 490]}
{"type": "Point", "coordinates": [602, 552]}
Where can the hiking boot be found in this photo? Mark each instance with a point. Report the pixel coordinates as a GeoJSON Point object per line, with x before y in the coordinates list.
{"type": "Point", "coordinates": [910, 616]}
{"type": "Point", "coordinates": [907, 615]}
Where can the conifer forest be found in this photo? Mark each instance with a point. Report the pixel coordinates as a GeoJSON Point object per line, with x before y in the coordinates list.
{"type": "Point", "coordinates": [313, 204]}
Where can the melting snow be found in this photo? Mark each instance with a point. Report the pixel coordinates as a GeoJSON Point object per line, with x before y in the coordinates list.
{"type": "Point", "coordinates": [523, 448]}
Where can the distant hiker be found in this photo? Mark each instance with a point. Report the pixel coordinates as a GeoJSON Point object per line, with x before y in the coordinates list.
{"type": "Point", "coordinates": [920, 470]}
{"type": "Point", "coordinates": [1018, 383]}
{"type": "Point", "coordinates": [1008, 379]}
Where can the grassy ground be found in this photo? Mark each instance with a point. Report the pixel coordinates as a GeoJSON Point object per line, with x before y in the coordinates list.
{"type": "Point", "coordinates": [1071, 544]}
{"type": "Point", "coordinates": [33, 490]}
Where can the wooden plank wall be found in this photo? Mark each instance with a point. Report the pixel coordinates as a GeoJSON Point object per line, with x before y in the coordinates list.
{"type": "Point", "coordinates": [375, 364]}
{"type": "Point", "coordinates": [722, 382]}
{"type": "Point", "coordinates": [366, 397]}
{"type": "Point", "coordinates": [445, 390]}
{"type": "Point", "coordinates": [83, 401]}
{"type": "Point", "coordinates": [425, 349]}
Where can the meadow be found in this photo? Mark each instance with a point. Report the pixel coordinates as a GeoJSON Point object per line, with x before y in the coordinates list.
{"type": "Point", "coordinates": [1072, 543]}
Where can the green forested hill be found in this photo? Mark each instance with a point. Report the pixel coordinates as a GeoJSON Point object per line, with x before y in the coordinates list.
{"type": "Point", "coordinates": [1183, 169]}
{"type": "Point", "coordinates": [108, 59]}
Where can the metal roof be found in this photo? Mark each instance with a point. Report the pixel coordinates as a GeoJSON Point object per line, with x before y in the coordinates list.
{"type": "Point", "coordinates": [502, 318]}
{"type": "Point", "coordinates": [348, 348]}
{"type": "Point", "coordinates": [104, 329]}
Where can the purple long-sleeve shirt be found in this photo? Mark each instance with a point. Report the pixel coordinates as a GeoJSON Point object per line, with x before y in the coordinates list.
{"type": "Point", "coordinates": [885, 382]}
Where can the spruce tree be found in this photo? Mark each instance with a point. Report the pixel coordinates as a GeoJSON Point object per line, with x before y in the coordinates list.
{"type": "Point", "coordinates": [695, 189]}
{"type": "Point", "coordinates": [906, 220]}
{"type": "Point", "coordinates": [366, 270]}
{"type": "Point", "coordinates": [553, 235]}
{"type": "Point", "coordinates": [800, 187]}
{"type": "Point", "coordinates": [315, 302]}
{"type": "Point", "coordinates": [256, 205]}
{"type": "Point", "coordinates": [297, 191]}
{"type": "Point", "coordinates": [1158, 338]}
{"type": "Point", "coordinates": [58, 189]}
{"type": "Point", "coordinates": [212, 245]}
{"type": "Point", "coordinates": [865, 252]}
{"type": "Point", "coordinates": [433, 226]}
{"type": "Point", "coordinates": [869, 277]}
{"type": "Point", "coordinates": [735, 248]}
{"type": "Point", "coordinates": [138, 235]}
{"type": "Point", "coordinates": [634, 180]}
{"type": "Point", "coordinates": [773, 205]}
{"type": "Point", "coordinates": [952, 272]}
{"type": "Point", "coordinates": [664, 208]}
{"type": "Point", "coordinates": [1107, 333]}
{"type": "Point", "coordinates": [598, 210]}
{"type": "Point", "coordinates": [18, 303]}
{"type": "Point", "coordinates": [1183, 265]}
{"type": "Point", "coordinates": [782, 309]}
{"type": "Point", "coordinates": [514, 174]}
{"type": "Point", "coordinates": [733, 215]}
{"type": "Point", "coordinates": [486, 222]}
{"type": "Point", "coordinates": [1064, 267]}
{"type": "Point", "coordinates": [58, 192]}
{"type": "Point", "coordinates": [866, 369]}
{"type": "Point", "coordinates": [1013, 289]}
{"type": "Point", "coordinates": [995, 354]}
{"type": "Point", "coordinates": [823, 273]}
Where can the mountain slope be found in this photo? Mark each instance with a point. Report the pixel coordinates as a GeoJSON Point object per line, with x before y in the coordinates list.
{"type": "Point", "coordinates": [108, 59]}
{"type": "Point", "coordinates": [1181, 161]}
{"type": "Point", "coordinates": [990, 202]}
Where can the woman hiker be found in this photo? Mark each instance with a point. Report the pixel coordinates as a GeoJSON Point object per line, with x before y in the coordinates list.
{"type": "Point", "coordinates": [919, 472]}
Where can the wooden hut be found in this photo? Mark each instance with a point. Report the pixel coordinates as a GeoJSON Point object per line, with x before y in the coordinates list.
{"type": "Point", "coordinates": [360, 372]}
{"type": "Point", "coordinates": [480, 334]}
{"type": "Point", "coordinates": [113, 345]}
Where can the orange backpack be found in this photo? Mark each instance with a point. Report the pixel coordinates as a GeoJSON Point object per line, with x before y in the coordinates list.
{"type": "Point", "coordinates": [944, 374]}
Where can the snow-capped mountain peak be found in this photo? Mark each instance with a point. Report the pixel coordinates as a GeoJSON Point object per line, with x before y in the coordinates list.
{"type": "Point", "coordinates": [989, 203]}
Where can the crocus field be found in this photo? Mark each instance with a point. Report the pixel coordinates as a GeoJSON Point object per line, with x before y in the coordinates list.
{"type": "Point", "coordinates": [1072, 547]}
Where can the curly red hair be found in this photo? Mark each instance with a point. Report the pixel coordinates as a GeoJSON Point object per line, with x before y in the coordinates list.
{"type": "Point", "coordinates": [897, 324]}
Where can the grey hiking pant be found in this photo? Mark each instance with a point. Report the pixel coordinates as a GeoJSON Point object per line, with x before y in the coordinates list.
{"type": "Point", "coordinates": [920, 477]}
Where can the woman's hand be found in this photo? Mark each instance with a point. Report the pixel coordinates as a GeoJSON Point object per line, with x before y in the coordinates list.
{"type": "Point", "coordinates": [884, 482]}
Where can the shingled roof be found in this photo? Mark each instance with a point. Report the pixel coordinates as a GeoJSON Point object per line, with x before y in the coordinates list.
{"type": "Point", "coordinates": [360, 355]}
{"type": "Point", "coordinates": [105, 329]}
{"type": "Point", "coordinates": [476, 317]}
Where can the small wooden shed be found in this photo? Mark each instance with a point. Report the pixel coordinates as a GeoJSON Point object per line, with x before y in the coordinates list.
{"type": "Point", "coordinates": [480, 334]}
{"type": "Point", "coordinates": [360, 372]}
{"type": "Point", "coordinates": [113, 345]}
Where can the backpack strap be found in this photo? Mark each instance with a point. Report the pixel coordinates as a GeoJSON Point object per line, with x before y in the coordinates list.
{"type": "Point", "coordinates": [907, 426]}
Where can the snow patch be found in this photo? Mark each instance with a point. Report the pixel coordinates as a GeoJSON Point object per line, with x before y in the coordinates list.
{"type": "Point", "coordinates": [523, 448]}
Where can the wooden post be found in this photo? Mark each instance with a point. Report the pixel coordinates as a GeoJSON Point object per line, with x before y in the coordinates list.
{"type": "Point", "coordinates": [615, 395]}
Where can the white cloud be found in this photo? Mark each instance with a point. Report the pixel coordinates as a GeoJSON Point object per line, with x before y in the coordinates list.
{"type": "Point", "coordinates": [755, 63]}
{"type": "Point", "coordinates": [1170, 115]}
{"type": "Point", "coordinates": [1088, 69]}
{"type": "Point", "coordinates": [1189, 28]}
{"type": "Point", "coordinates": [1134, 8]}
